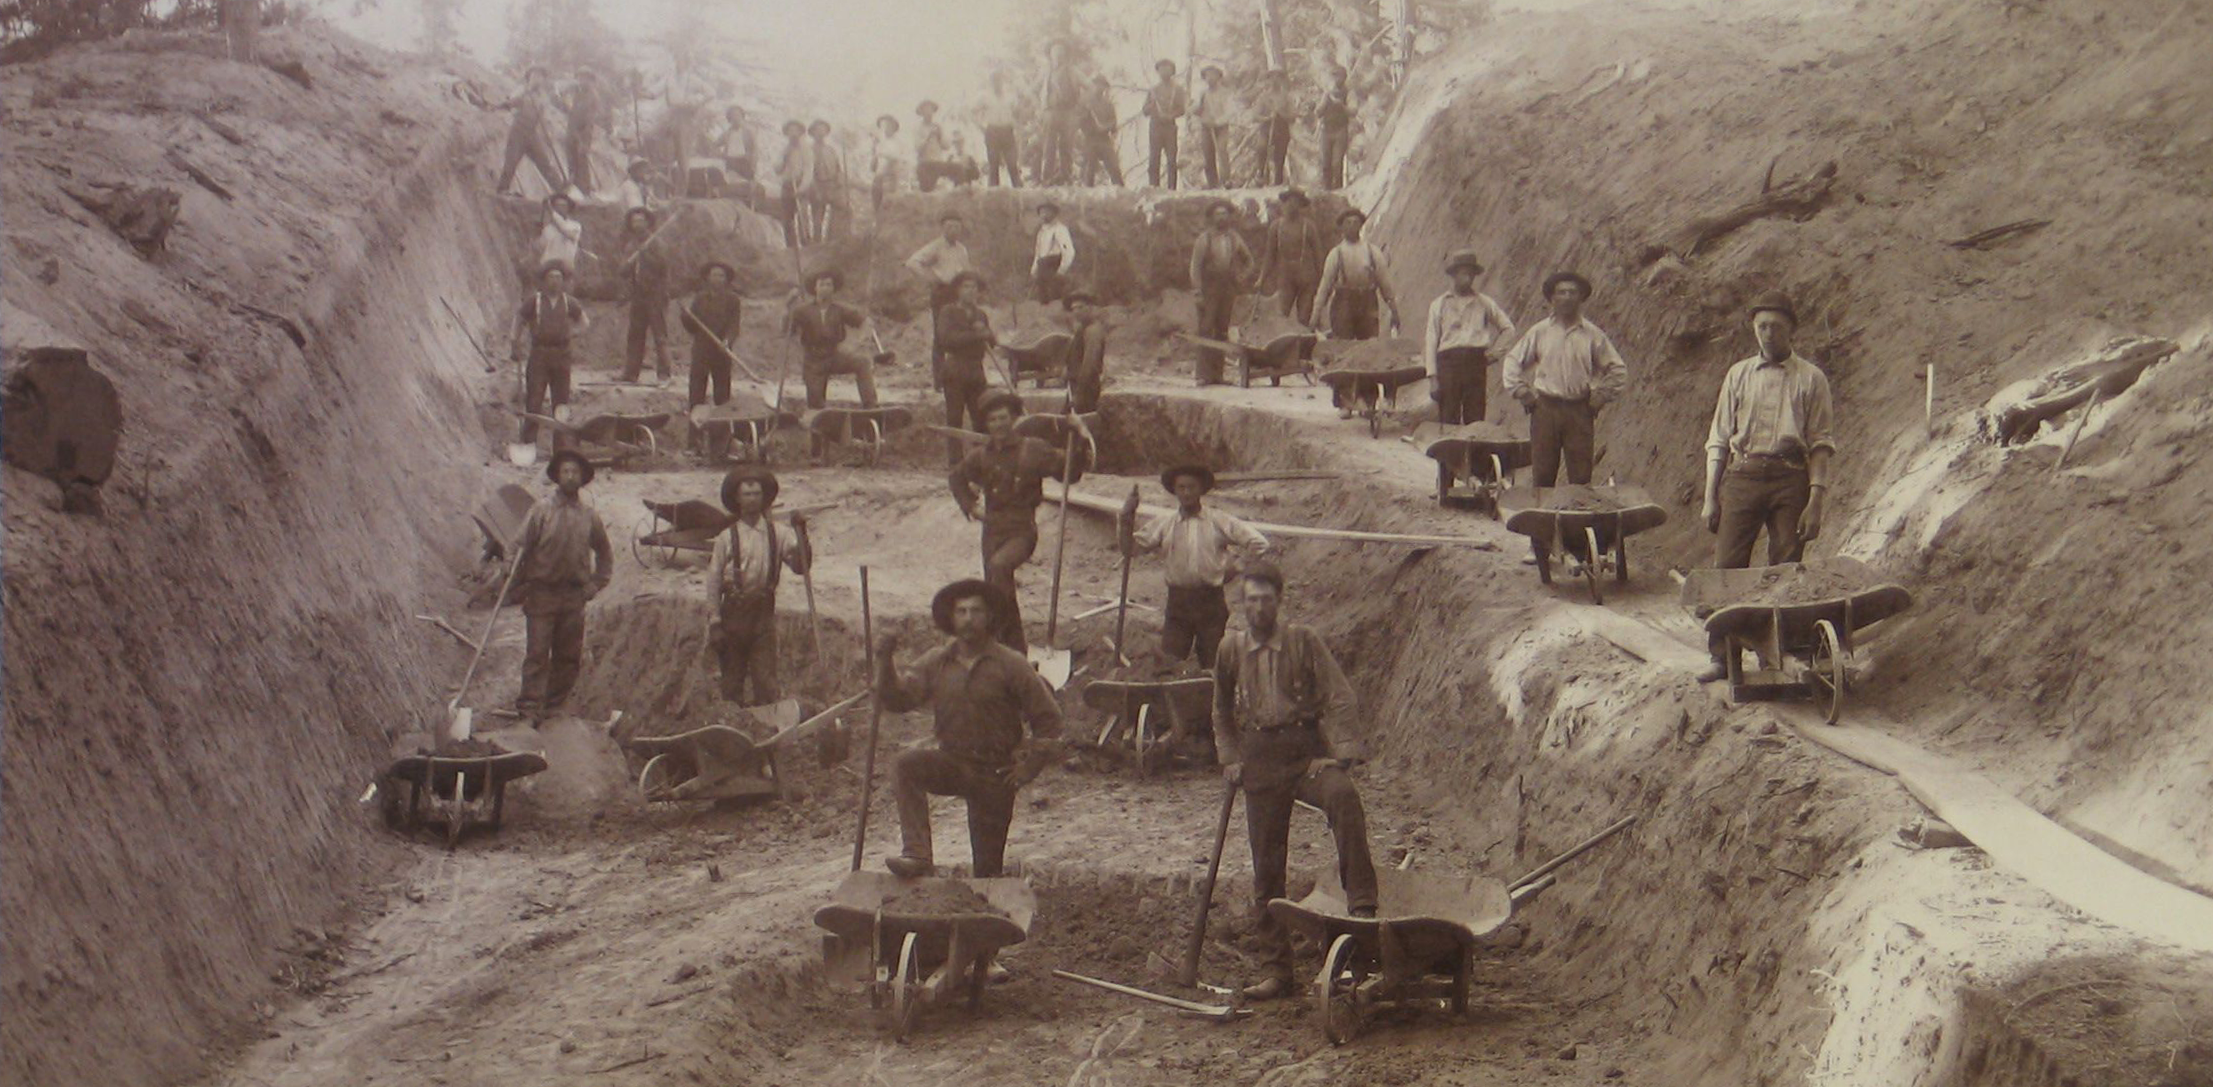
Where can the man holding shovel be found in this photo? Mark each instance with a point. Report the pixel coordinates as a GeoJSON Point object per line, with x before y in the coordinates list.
{"type": "Point", "coordinates": [1199, 547]}
{"type": "Point", "coordinates": [563, 559]}
{"type": "Point", "coordinates": [982, 696]}
{"type": "Point", "coordinates": [748, 561]}
{"type": "Point", "coordinates": [548, 322]}
{"type": "Point", "coordinates": [1284, 729]}
{"type": "Point", "coordinates": [1008, 473]}
{"type": "Point", "coordinates": [712, 318]}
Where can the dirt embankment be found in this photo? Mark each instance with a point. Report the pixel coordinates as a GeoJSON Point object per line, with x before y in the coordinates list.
{"type": "Point", "coordinates": [199, 677]}
{"type": "Point", "coordinates": [2050, 638]}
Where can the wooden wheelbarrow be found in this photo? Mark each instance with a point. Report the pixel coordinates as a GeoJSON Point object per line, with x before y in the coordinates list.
{"type": "Point", "coordinates": [910, 957]}
{"type": "Point", "coordinates": [1290, 354]}
{"type": "Point", "coordinates": [459, 792]}
{"type": "Point", "coordinates": [723, 762]}
{"type": "Point", "coordinates": [1145, 716]}
{"type": "Point", "coordinates": [1588, 526]}
{"type": "Point", "coordinates": [1801, 618]}
{"type": "Point", "coordinates": [1044, 362]}
{"type": "Point", "coordinates": [1476, 466]}
{"type": "Point", "coordinates": [1368, 392]}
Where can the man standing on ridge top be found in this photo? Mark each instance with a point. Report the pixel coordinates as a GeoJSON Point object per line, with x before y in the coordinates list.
{"type": "Point", "coordinates": [1219, 262]}
{"type": "Point", "coordinates": [996, 114]}
{"type": "Point", "coordinates": [586, 111]}
{"type": "Point", "coordinates": [941, 262]}
{"type": "Point", "coordinates": [548, 322]}
{"type": "Point", "coordinates": [1210, 115]}
{"type": "Point", "coordinates": [1275, 112]}
{"type": "Point", "coordinates": [526, 135]}
{"type": "Point", "coordinates": [795, 172]}
{"type": "Point", "coordinates": [1008, 473]}
{"type": "Point", "coordinates": [1353, 283]}
{"type": "Point", "coordinates": [562, 560]}
{"type": "Point", "coordinates": [831, 204]}
{"type": "Point", "coordinates": [644, 273]}
{"type": "Point", "coordinates": [1291, 258]}
{"type": "Point", "coordinates": [1063, 99]}
{"type": "Point", "coordinates": [1165, 104]}
{"type": "Point", "coordinates": [1334, 112]}
{"type": "Point", "coordinates": [981, 695]}
{"type": "Point", "coordinates": [1464, 324]}
{"type": "Point", "coordinates": [1099, 129]}
{"type": "Point", "coordinates": [1286, 728]}
{"type": "Point", "coordinates": [742, 576]}
{"type": "Point", "coordinates": [1767, 452]}
{"type": "Point", "coordinates": [1198, 549]}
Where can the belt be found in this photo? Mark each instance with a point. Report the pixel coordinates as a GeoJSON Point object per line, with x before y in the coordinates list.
{"type": "Point", "coordinates": [1314, 723]}
{"type": "Point", "coordinates": [1771, 460]}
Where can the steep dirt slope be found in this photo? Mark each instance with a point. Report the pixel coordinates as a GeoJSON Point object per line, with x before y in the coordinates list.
{"type": "Point", "coordinates": [198, 679]}
{"type": "Point", "coordinates": [2058, 614]}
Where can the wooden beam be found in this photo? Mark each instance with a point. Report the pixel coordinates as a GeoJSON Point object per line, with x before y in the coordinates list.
{"type": "Point", "coordinates": [1112, 507]}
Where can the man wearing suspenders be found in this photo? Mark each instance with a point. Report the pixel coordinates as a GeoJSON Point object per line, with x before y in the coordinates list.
{"type": "Point", "coordinates": [748, 559]}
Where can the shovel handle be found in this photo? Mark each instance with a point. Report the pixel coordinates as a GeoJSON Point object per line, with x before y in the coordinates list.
{"type": "Point", "coordinates": [1189, 974]}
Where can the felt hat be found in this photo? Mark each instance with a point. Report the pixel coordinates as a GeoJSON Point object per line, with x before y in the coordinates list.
{"type": "Point", "coordinates": [1351, 213]}
{"type": "Point", "coordinates": [1205, 476]}
{"type": "Point", "coordinates": [837, 280]}
{"type": "Point", "coordinates": [926, 108]}
{"type": "Point", "coordinates": [560, 266]}
{"type": "Point", "coordinates": [1069, 300]}
{"type": "Point", "coordinates": [941, 605]}
{"type": "Point", "coordinates": [1168, 66]}
{"type": "Point", "coordinates": [1214, 68]}
{"type": "Point", "coordinates": [1296, 195]}
{"type": "Point", "coordinates": [553, 466]}
{"type": "Point", "coordinates": [561, 197]}
{"type": "Point", "coordinates": [1263, 570]}
{"type": "Point", "coordinates": [894, 121]}
{"type": "Point", "coordinates": [1557, 278]}
{"type": "Point", "coordinates": [1777, 301]}
{"type": "Point", "coordinates": [967, 277]}
{"type": "Point", "coordinates": [748, 473]}
{"type": "Point", "coordinates": [652, 218]}
{"type": "Point", "coordinates": [996, 399]}
{"type": "Point", "coordinates": [1049, 206]}
{"type": "Point", "coordinates": [1463, 258]}
{"type": "Point", "coordinates": [714, 264]}
{"type": "Point", "coordinates": [792, 126]}
{"type": "Point", "coordinates": [818, 123]}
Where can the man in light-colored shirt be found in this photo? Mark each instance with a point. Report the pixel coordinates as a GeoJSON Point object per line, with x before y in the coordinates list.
{"type": "Point", "coordinates": [942, 261]}
{"type": "Point", "coordinates": [1354, 282]}
{"type": "Point", "coordinates": [1219, 260]}
{"type": "Point", "coordinates": [748, 558]}
{"type": "Point", "coordinates": [1563, 371]}
{"type": "Point", "coordinates": [1464, 323]}
{"type": "Point", "coordinates": [996, 114]}
{"type": "Point", "coordinates": [1210, 113]}
{"type": "Point", "coordinates": [1056, 254]}
{"type": "Point", "coordinates": [1768, 451]}
{"type": "Point", "coordinates": [795, 172]}
{"type": "Point", "coordinates": [1286, 729]}
{"type": "Point", "coordinates": [1165, 103]}
{"type": "Point", "coordinates": [563, 559]}
{"type": "Point", "coordinates": [1199, 548]}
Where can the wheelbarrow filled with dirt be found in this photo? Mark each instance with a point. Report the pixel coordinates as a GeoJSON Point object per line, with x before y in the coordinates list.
{"type": "Point", "coordinates": [913, 942]}
{"type": "Point", "coordinates": [1149, 720]}
{"type": "Point", "coordinates": [1801, 618]}
{"type": "Point", "coordinates": [1475, 465]}
{"type": "Point", "coordinates": [1043, 361]}
{"type": "Point", "coordinates": [1586, 527]}
{"type": "Point", "coordinates": [459, 786]}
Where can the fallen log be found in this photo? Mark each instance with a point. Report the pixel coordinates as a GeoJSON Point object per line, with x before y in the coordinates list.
{"type": "Point", "coordinates": [2116, 369]}
{"type": "Point", "coordinates": [1798, 199]}
{"type": "Point", "coordinates": [1984, 238]}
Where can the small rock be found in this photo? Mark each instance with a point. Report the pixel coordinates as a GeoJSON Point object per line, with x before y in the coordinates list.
{"type": "Point", "coordinates": [568, 1045]}
{"type": "Point", "coordinates": [1613, 1073]}
{"type": "Point", "coordinates": [683, 974]}
{"type": "Point", "coordinates": [1041, 803]}
{"type": "Point", "coordinates": [415, 894]}
{"type": "Point", "coordinates": [1770, 729]}
{"type": "Point", "coordinates": [714, 873]}
{"type": "Point", "coordinates": [1566, 1054]}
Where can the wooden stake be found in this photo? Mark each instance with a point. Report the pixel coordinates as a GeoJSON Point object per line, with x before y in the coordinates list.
{"type": "Point", "coordinates": [875, 722]}
{"type": "Point", "coordinates": [2080, 420]}
{"type": "Point", "coordinates": [1928, 400]}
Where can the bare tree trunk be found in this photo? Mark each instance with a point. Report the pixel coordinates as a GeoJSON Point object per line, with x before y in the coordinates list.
{"type": "Point", "coordinates": [1405, 42]}
{"type": "Point", "coordinates": [242, 24]}
{"type": "Point", "coordinates": [1271, 34]}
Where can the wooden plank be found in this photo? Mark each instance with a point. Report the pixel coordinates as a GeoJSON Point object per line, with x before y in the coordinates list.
{"type": "Point", "coordinates": [2023, 840]}
{"type": "Point", "coordinates": [1111, 507]}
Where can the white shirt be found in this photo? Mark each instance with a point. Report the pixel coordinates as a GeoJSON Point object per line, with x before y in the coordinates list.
{"type": "Point", "coordinates": [1054, 238]}
{"type": "Point", "coordinates": [1464, 320]}
{"type": "Point", "coordinates": [559, 240]}
{"type": "Point", "coordinates": [750, 572]}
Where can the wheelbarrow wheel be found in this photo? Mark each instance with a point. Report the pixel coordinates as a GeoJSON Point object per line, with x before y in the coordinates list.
{"type": "Point", "coordinates": [1444, 482]}
{"type": "Point", "coordinates": [1621, 557]}
{"type": "Point", "coordinates": [1334, 1001]}
{"type": "Point", "coordinates": [457, 811]}
{"type": "Point", "coordinates": [1591, 563]}
{"type": "Point", "coordinates": [1827, 671]}
{"type": "Point", "coordinates": [1141, 740]}
{"type": "Point", "coordinates": [638, 536]}
{"type": "Point", "coordinates": [906, 990]}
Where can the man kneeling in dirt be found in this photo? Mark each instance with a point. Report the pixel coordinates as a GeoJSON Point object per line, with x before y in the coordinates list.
{"type": "Point", "coordinates": [981, 695]}
{"type": "Point", "coordinates": [562, 561]}
{"type": "Point", "coordinates": [748, 560]}
{"type": "Point", "coordinates": [1284, 717]}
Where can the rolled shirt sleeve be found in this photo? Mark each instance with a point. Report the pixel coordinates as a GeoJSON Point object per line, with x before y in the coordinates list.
{"type": "Point", "coordinates": [1725, 415]}
{"type": "Point", "coordinates": [1513, 374]}
{"type": "Point", "coordinates": [1226, 658]}
{"type": "Point", "coordinates": [1611, 378]}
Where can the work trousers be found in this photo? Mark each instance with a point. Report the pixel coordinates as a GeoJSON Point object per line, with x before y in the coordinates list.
{"type": "Point", "coordinates": [1005, 550]}
{"type": "Point", "coordinates": [1757, 493]}
{"type": "Point", "coordinates": [553, 653]}
{"type": "Point", "coordinates": [925, 772]}
{"type": "Point", "coordinates": [794, 235]}
{"type": "Point", "coordinates": [1160, 146]}
{"type": "Point", "coordinates": [964, 387]}
{"type": "Point", "coordinates": [999, 152]}
{"type": "Point", "coordinates": [649, 319]}
{"type": "Point", "coordinates": [1334, 145]}
{"type": "Point", "coordinates": [1195, 618]}
{"type": "Point", "coordinates": [928, 174]}
{"type": "Point", "coordinates": [1213, 151]}
{"type": "Point", "coordinates": [1050, 283]}
{"type": "Point", "coordinates": [580, 158]}
{"type": "Point", "coordinates": [941, 296]}
{"type": "Point", "coordinates": [1100, 155]}
{"type": "Point", "coordinates": [545, 376]}
{"type": "Point", "coordinates": [1268, 810]}
{"type": "Point", "coordinates": [1217, 296]}
{"type": "Point", "coordinates": [1295, 295]}
{"type": "Point", "coordinates": [747, 649]}
{"type": "Point", "coordinates": [709, 367]}
{"type": "Point", "coordinates": [1458, 385]}
{"type": "Point", "coordinates": [1062, 141]}
{"type": "Point", "coordinates": [1355, 314]}
{"type": "Point", "coordinates": [523, 144]}
{"type": "Point", "coordinates": [1275, 143]}
{"type": "Point", "coordinates": [817, 371]}
{"type": "Point", "coordinates": [1561, 430]}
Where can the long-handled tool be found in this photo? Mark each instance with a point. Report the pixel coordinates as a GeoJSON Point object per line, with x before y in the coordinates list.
{"type": "Point", "coordinates": [1540, 877]}
{"type": "Point", "coordinates": [689, 319]}
{"type": "Point", "coordinates": [1122, 601]}
{"type": "Point", "coordinates": [462, 717]}
{"type": "Point", "coordinates": [1052, 662]}
{"type": "Point", "coordinates": [490, 364]}
{"type": "Point", "coordinates": [807, 578]}
{"type": "Point", "coordinates": [1189, 974]}
{"type": "Point", "coordinates": [875, 722]}
{"type": "Point", "coordinates": [1221, 1013]}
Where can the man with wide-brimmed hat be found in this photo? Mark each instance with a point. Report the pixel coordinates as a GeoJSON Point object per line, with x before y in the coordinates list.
{"type": "Point", "coordinates": [749, 558]}
{"type": "Point", "coordinates": [1099, 125]}
{"type": "Point", "coordinates": [562, 560]}
{"type": "Point", "coordinates": [886, 155]}
{"type": "Point", "coordinates": [1199, 550]}
{"type": "Point", "coordinates": [1275, 111]}
{"type": "Point", "coordinates": [821, 323]}
{"type": "Point", "coordinates": [964, 335]}
{"type": "Point", "coordinates": [995, 721]}
{"type": "Point", "coordinates": [1165, 103]}
{"type": "Point", "coordinates": [1333, 113]}
{"type": "Point", "coordinates": [527, 136]}
{"type": "Point", "coordinates": [712, 317]}
{"type": "Point", "coordinates": [826, 193]}
{"type": "Point", "coordinates": [1563, 371]}
{"type": "Point", "coordinates": [546, 324]}
{"type": "Point", "coordinates": [1356, 289]}
{"type": "Point", "coordinates": [1291, 256]}
{"type": "Point", "coordinates": [1287, 729]}
{"type": "Point", "coordinates": [644, 274]}
{"type": "Point", "coordinates": [1464, 324]}
{"type": "Point", "coordinates": [1768, 450]}
{"type": "Point", "coordinates": [795, 170]}
{"type": "Point", "coordinates": [1220, 260]}
{"type": "Point", "coordinates": [1083, 368]}
{"type": "Point", "coordinates": [1054, 255]}
{"type": "Point", "coordinates": [1007, 474]}
{"type": "Point", "coordinates": [941, 262]}
{"type": "Point", "coordinates": [1210, 112]}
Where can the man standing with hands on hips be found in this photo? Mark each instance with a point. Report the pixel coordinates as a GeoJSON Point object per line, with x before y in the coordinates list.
{"type": "Point", "coordinates": [1463, 324]}
{"type": "Point", "coordinates": [1767, 453]}
{"type": "Point", "coordinates": [1563, 371]}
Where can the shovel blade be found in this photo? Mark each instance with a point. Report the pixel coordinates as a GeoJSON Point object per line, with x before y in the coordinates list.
{"type": "Point", "coordinates": [522, 454]}
{"type": "Point", "coordinates": [1053, 664]}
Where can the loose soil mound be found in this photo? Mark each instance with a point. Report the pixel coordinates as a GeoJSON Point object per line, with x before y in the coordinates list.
{"type": "Point", "coordinates": [939, 898]}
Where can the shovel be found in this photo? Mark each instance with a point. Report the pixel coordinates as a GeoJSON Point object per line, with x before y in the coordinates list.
{"type": "Point", "coordinates": [463, 717]}
{"type": "Point", "coordinates": [1053, 663]}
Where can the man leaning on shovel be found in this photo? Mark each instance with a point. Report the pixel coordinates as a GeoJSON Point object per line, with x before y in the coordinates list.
{"type": "Point", "coordinates": [562, 561]}
{"type": "Point", "coordinates": [748, 560]}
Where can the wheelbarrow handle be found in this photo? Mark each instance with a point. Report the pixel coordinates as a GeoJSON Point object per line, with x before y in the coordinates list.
{"type": "Point", "coordinates": [1580, 848]}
